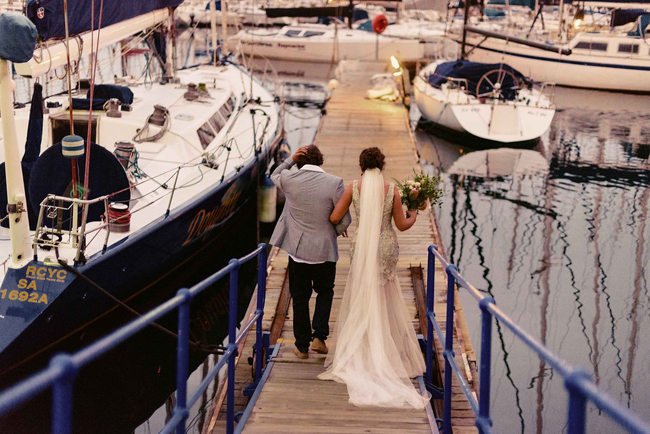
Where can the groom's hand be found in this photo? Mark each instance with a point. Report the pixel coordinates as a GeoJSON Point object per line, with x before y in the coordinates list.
{"type": "Point", "coordinates": [345, 233]}
{"type": "Point", "coordinates": [301, 152]}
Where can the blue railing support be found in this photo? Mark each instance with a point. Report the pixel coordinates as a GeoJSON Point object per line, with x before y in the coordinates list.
{"type": "Point", "coordinates": [62, 393]}
{"type": "Point", "coordinates": [232, 346]}
{"type": "Point", "coordinates": [261, 294]}
{"type": "Point", "coordinates": [182, 357]}
{"type": "Point", "coordinates": [63, 368]}
{"type": "Point", "coordinates": [449, 346]}
{"type": "Point", "coordinates": [577, 416]}
{"type": "Point", "coordinates": [431, 282]}
{"type": "Point", "coordinates": [578, 383]}
{"type": "Point", "coordinates": [483, 422]}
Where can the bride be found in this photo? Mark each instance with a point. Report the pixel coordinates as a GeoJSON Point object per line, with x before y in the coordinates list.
{"type": "Point", "coordinates": [376, 350]}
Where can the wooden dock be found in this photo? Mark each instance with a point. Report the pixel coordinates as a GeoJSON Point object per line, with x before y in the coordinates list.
{"type": "Point", "coordinates": [293, 400]}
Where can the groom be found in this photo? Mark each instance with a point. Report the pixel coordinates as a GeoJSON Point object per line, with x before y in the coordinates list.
{"type": "Point", "coordinates": [305, 232]}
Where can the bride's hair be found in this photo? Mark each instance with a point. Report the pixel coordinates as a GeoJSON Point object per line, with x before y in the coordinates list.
{"type": "Point", "coordinates": [371, 158]}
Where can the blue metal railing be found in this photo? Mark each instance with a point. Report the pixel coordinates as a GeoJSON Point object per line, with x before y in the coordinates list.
{"type": "Point", "coordinates": [577, 382]}
{"type": "Point", "coordinates": [63, 368]}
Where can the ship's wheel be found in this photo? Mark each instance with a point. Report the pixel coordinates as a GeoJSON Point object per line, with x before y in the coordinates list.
{"type": "Point", "coordinates": [496, 84]}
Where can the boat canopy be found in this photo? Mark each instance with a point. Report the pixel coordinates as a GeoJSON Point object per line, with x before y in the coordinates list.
{"type": "Point", "coordinates": [474, 71]}
{"type": "Point", "coordinates": [642, 24]}
{"type": "Point", "coordinates": [48, 15]}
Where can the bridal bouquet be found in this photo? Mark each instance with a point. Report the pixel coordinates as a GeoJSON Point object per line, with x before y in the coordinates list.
{"type": "Point", "coordinates": [415, 192]}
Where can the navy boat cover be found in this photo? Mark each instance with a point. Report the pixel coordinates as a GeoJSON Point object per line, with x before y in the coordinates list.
{"type": "Point", "coordinates": [18, 37]}
{"type": "Point", "coordinates": [47, 15]}
{"type": "Point", "coordinates": [473, 71]}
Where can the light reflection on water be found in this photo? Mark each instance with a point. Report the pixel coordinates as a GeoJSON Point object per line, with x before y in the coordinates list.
{"type": "Point", "coordinates": [564, 251]}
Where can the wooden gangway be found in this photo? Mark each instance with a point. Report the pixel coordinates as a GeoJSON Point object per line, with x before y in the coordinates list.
{"type": "Point", "coordinates": [292, 399]}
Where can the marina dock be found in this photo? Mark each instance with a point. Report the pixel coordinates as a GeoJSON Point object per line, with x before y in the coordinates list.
{"type": "Point", "coordinates": [292, 398]}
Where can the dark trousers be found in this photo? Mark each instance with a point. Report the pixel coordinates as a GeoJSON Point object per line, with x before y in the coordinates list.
{"type": "Point", "coordinates": [303, 278]}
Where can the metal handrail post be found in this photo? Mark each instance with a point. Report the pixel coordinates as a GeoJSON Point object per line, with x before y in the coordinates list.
{"type": "Point", "coordinates": [62, 393]}
{"type": "Point", "coordinates": [431, 273]}
{"type": "Point", "coordinates": [483, 421]}
{"type": "Point", "coordinates": [232, 346]}
{"type": "Point", "coordinates": [449, 348]}
{"type": "Point", "coordinates": [182, 358]}
{"type": "Point", "coordinates": [577, 402]}
{"type": "Point", "coordinates": [261, 295]}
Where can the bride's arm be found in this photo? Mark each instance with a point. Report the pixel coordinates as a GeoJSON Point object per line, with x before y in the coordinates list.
{"type": "Point", "coordinates": [342, 206]}
{"type": "Point", "coordinates": [402, 222]}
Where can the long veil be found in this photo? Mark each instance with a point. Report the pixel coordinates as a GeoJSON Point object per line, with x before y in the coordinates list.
{"type": "Point", "coordinates": [367, 357]}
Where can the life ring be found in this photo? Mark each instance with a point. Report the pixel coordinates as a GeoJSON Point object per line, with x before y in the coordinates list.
{"type": "Point", "coordinates": [379, 24]}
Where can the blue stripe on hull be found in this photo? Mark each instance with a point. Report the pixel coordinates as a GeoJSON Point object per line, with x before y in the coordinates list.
{"type": "Point", "coordinates": [563, 60]}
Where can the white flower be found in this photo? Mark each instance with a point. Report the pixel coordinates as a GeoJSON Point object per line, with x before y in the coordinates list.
{"type": "Point", "coordinates": [417, 185]}
{"type": "Point", "coordinates": [410, 182]}
{"type": "Point", "coordinates": [401, 194]}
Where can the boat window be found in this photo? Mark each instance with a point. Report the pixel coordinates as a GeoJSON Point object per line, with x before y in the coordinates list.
{"type": "Point", "coordinates": [231, 103]}
{"type": "Point", "coordinates": [217, 121]}
{"type": "Point", "coordinates": [225, 111]}
{"type": "Point", "coordinates": [309, 33]}
{"type": "Point", "coordinates": [628, 48]}
{"type": "Point", "coordinates": [596, 46]}
{"type": "Point", "coordinates": [206, 135]}
{"type": "Point", "coordinates": [293, 32]}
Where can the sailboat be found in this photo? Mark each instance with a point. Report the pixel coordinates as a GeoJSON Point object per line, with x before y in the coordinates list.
{"type": "Point", "coordinates": [485, 105]}
{"type": "Point", "coordinates": [169, 173]}
{"type": "Point", "coordinates": [614, 59]}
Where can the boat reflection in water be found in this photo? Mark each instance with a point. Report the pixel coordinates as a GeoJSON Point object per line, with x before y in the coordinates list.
{"type": "Point", "coordinates": [559, 236]}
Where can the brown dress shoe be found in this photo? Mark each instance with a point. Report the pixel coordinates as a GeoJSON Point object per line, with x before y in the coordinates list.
{"type": "Point", "coordinates": [319, 346]}
{"type": "Point", "coordinates": [300, 354]}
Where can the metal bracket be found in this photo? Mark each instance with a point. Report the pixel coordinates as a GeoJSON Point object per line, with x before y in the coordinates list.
{"type": "Point", "coordinates": [15, 208]}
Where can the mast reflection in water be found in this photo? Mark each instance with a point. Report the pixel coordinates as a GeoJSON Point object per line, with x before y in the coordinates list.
{"type": "Point", "coordinates": [558, 236]}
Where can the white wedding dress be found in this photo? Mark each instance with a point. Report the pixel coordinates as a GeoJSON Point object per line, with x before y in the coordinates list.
{"type": "Point", "coordinates": [376, 352]}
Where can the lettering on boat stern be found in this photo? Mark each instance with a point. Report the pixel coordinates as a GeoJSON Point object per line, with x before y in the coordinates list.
{"type": "Point", "coordinates": [204, 221]}
{"type": "Point", "coordinates": [32, 287]}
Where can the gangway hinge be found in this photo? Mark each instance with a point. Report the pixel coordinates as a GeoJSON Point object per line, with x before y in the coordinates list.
{"type": "Point", "coordinates": [435, 391]}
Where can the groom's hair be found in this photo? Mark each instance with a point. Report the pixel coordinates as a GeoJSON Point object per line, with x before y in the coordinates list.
{"type": "Point", "coordinates": [312, 155]}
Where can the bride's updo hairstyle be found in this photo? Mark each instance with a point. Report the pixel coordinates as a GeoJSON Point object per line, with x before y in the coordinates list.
{"type": "Point", "coordinates": [371, 158]}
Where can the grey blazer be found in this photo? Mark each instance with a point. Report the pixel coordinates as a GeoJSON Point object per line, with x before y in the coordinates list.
{"type": "Point", "coordinates": [304, 229]}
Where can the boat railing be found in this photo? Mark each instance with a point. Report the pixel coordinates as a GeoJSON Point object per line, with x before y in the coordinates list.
{"type": "Point", "coordinates": [460, 84]}
{"type": "Point", "coordinates": [577, 382]}
{"type": "Point", "coordinates": [55, 207]}
{"type": "Point", "coordinates": [63, 368]}
{"type": "Point", "coordinates": [546, 89]}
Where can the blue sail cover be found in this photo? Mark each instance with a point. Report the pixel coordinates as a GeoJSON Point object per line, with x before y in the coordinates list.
{"type": "Point", "coordinates": [473, 71]}
{"type": "Point", "coordinates": [47, 15]}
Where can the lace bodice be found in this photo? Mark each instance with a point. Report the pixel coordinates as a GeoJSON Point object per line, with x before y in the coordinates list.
{"type": "Point", "coordinates": [387, 237]}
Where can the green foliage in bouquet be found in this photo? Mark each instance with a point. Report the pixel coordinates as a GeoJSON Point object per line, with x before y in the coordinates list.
{"type": "Point", "coordinates": [415, 192]}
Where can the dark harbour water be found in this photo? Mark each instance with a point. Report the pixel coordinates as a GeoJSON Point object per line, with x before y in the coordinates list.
{"type": "Point", "coordinates": [561, 239]}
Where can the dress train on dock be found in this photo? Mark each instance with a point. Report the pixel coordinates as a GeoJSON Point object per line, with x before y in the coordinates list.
{"type": "Point", "coordinates": [376, 352]}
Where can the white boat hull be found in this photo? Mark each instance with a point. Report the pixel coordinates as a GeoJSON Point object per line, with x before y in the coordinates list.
{"type": "Point", "coordinates": [575, 70]}
{"type": "Point", "coordinates": [349, 45]}
{"type": "Point", "coordinates": [489, 122]}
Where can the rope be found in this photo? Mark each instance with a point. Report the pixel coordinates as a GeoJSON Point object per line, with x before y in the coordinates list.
{"type": "Point", "coordinates": [141, 136]}
{"type": "Point", "coordinates": [94, 50]}
{"type": "Point", "coordinates": [209, 349]}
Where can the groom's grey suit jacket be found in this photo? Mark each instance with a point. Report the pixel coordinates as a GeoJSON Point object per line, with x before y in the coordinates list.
{"type": "Point", "coordinates": [304, 229]}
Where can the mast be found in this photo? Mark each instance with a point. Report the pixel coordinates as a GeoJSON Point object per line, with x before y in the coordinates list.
{"type": "Point", "coordinates": [16, 198]}
{"type": "Point", "coordinates": [465, 16]}
{"type": "Point", "coordinates": [224, 26]}
{"type": "Point", "coordinates": [213, 28]}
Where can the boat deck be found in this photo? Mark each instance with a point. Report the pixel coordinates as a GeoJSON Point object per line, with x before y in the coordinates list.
{"type": "Point", "coordinates": [293, 400]}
